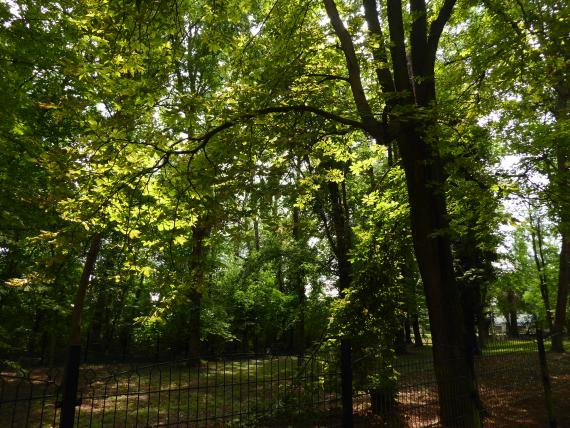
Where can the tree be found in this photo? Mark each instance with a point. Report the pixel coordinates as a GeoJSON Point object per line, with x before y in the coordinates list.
{"type": "Point", "coordinates": [410, 118]}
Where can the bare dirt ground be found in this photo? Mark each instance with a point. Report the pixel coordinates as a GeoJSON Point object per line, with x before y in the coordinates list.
{"type": "Point", "coordinates": [511, 392]}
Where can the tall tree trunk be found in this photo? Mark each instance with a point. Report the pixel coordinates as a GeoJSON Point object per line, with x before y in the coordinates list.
{"type": "Point", "coordinates": [452, 360]}
{"type": "Point", "coordinates": [343, 242]}
{"type": "Point", "coordinates": [469, 301]}
{"type": "Point", "coordinates": [538, 254]}
{"type": "Point", "coordinates": [511, 315]}
{"type": "Point", "coordinates": [562, 298]}
{"type": "Point", "coordinates": [299, 288]}
{"type": "Point", "coordinates": [71, 372]}
{"type": "Point", "coordinates": [256, 233]}
{"type": "Point", "coordinates": [417, 333]}
{"type": "Point", "coordinates": [200, 232]}
{"type": "Point", "coordinates": [400, 342]}
{"type": "Point", "coordinates": [563, 185]}
{"type": "Point", "coordinates": [408, 329]}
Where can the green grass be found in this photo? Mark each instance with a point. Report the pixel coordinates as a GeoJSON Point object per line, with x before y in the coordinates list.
{"type": "Point", "coordinates": [510, 346]}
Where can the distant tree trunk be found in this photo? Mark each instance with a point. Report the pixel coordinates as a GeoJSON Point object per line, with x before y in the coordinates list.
{"type": "Point", "coordinates": [538, 254]}
{"type": "Point", "coordinates": [563, 184]}
{"type": "Point", "coordinates": [341, 225]}
{"type": "Point", "coordinates": [256, 234]}
{"type": "Point", "coordinates": [511, 315]}
{"type": "Point", "coordinates": [562, 299]}
{"type": "Point", "coordinates": [400, 342]}
{"type": "Point", "coordinates": [299, 288]}
{"type": "Point", "coordinates": [408, 329]}
{"type": "Point", "coordinates": [200, 232]}
{"type": "Point", "coordinates": [417, 333]}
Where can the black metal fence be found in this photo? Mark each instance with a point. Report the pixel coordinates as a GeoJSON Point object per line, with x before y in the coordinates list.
{"type": "Point", "coordinates": [276, 391]}
{"type": "Point", "coordinates": [508, 381]}
{"type": "Point", "coordinates": [250, 390]}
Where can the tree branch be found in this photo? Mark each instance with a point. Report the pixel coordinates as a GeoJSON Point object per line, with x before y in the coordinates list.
{"type": "Point", "coordinates": [380, 56]}
{"type": "Point", "coordinates": [398, 46]}
{"type": "Point", "coordinates": [436, 27]}
{"type": "Point", "coordinates": [204, 139]}
{"type": "Point", "coordinates": [420, 61]}
{"type": "Point", "coordinates": [328, 77]}
{"type": "Point", "coordinates": [353, 68]}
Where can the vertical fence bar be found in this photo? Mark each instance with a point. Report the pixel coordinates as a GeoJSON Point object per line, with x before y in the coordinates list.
{"type": "Point", "coordinates": [346, 383]}
{"type": "Point", "coordinates": [545, 377]}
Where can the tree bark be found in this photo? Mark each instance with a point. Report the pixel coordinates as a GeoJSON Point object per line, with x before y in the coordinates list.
{"type": "Point", "coordinates": [562, 298]}
{"type": "Point", "coordinates": [563, 179]}
{"type": "Point", "coordinates": [511, 315]}
{"type": "Point", "coordinates": [417, 333]}
{"type": "Point", "coordinates": [537, 251]}
{"type": "Point", "coordinates": [200, 231]}
{"type": "Point", "coordinates": [452, 360]}
{"type": "Point", "coordinates": [71, 372]}
{"type": "Point", "coordinates": [299, 288]}
{"type": "Point", "coordinates": [343, 242]}
{"type": "Point", "coordinates": [408, 329]}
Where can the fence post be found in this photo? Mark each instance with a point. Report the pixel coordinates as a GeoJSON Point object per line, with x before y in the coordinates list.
{"type": "Point", "coordinates": [70, 382]}
{"type": "Point", "coordinates": [346, 383]}
{"type": "Point", "coordinates": [545, 377]}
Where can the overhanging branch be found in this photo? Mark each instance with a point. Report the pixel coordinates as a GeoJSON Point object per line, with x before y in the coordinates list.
{"type": "Point", "coordinates": [204, 139]}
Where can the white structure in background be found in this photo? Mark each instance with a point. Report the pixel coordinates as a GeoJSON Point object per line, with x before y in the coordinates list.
{"type": "Point", "coordinates": [525, 323]}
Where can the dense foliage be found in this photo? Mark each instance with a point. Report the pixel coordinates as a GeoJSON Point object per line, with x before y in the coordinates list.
{"type": "Point", "coordinates": [280, 176]}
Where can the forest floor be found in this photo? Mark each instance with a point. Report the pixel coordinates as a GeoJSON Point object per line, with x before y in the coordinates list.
{"type": "Point", "coordinates": [510, 387]}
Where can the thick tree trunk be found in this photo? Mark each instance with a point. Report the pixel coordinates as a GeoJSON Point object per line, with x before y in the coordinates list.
{"type": "Point", "coordinates": [400, 342]}
{"type": "Point", "coordinates": [194, 327]}
{"type": "Point", "coordinates": [483, 324]}
{"type": "Point", "coordinates": [470, 296]}
{"type": "Point", "coordinates": [459, 405]}
{"type": "Point", "coordinates": [95, 335]}
{"type": "Point", "coordinates": [256, 234]}
{"type": "Point", "coordinates": [512, 324]}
